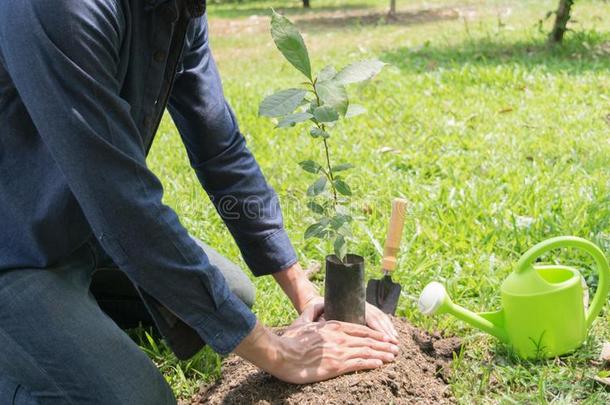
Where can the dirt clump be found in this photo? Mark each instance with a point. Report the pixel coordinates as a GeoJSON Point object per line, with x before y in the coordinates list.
{"type": "Point", "coordinates": [419, 375]}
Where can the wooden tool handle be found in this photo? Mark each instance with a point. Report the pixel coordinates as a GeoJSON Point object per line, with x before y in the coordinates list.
{"type": "Point", "coordinates": [392, 243]}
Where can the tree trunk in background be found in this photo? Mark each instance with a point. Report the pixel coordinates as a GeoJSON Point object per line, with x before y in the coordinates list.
{"type": "Point", "coordinates": [562, 16]}
{"type": "Point", "coordinates": [392, 8]}
{"type": "Point", "coordinates": [306, 4]}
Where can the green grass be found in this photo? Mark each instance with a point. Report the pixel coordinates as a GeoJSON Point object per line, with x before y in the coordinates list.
{"type": "Point", "coordinates": [496, 139]}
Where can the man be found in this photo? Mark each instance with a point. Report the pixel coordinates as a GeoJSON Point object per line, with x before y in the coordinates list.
{"type": "Point", "coordinates": [83, 86]}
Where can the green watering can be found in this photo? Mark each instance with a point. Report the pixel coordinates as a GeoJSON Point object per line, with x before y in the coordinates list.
{"type": "Point", "coordinates": [543, 313]}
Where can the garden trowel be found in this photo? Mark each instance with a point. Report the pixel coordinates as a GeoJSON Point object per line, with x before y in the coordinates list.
{"type": "Point", "coordinates": [384, 293]}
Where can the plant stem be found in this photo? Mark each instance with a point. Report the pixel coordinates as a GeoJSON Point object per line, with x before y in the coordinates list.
{"type": "Point", "coordinates": [330, 175]}
{"type": "Point", "coordinates": [330, 172]}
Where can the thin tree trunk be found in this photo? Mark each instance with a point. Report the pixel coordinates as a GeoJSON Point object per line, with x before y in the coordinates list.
{"type": "Point", "coordinates": [306, 4]}
{"type": "Point", "coordinates": [562, 16]}
{"type": "Point", "coordinates": [392, 8]}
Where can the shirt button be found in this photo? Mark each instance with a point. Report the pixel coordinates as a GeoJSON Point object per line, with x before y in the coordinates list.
{"type": "Point", "coordinates": [159, 56]}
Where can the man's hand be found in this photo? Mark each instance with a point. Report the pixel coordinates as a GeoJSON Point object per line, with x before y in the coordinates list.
{"type": "Point", "coordinates": [308, 302]}
{"type": "Point", "coordinates": [310, 352]}
{"type": "Point", "coordinates": [375, 318]}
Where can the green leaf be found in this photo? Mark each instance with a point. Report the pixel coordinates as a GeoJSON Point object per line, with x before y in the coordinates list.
{"type": "Point", "coordinates": [312, 106]}
{"type": "Point", "coordinates": [318, 133]}
{"type": "Point", "coordinates": [314, 231]}
{"type": "Point", "coordinates": [317, 230]}
{"type": "Point", "coordinates": [325, 114]}
{"type": "Point", "coordinates": [339, 220]}
{"type": "Point", "coordinates": [333, 94]}
{"type": "Point", "coordinates": [292, 119]}
{"type": "Point", "coordinates": [340, 247]}
{"type": "Point", "coordinates": [315, 207]}
{"type": "Point", "coordinates": [344, 230]}
{"type": "Point", "coordinates": [343, 166]}
{"type": "Point", "coordinates": [310, 166]}
{"type": "Point", "coordinates": [290, 43]}
{"type": "Point", "coordinates": [359, 71]}
{"type": "Point", "coordinates": [354, 110]}
{"type": "Point", "coordinates": [281, 103]}
{"type": "Point", "coordinates": [327, 73]}
{"type": "Point", "coordinates": [342, 187]}
{"type": "Point", "coordinates": [317, 187]}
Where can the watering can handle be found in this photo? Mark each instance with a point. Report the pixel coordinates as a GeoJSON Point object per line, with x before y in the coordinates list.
{"type": "Point", "coordinates": [603, 286]}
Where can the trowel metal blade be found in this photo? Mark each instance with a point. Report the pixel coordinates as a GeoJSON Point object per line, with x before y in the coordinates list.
{"type": "Point", "coordinates": [384, 294]}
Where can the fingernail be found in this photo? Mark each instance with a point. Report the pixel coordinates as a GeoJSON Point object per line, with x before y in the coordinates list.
{"type": "Point", "coordinates": [395, 349]}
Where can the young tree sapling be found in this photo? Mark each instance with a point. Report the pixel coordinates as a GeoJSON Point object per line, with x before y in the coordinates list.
{"type": "Point", "coordinates": [321, 101]}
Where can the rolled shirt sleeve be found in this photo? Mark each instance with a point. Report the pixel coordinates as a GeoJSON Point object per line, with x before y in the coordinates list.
{"type": "Point", "coordinates": [62, 58]}
{"type": "Point", "coordinates": [223, 163]}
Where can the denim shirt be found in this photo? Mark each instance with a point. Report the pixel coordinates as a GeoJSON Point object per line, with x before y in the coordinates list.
{"type": "Point", "coordinates": [83, 86]}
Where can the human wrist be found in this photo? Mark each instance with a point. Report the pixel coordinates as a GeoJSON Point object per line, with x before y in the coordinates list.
{"type": "Point", "coordinates": [299, 289]}
{"type": "Point", "coordinates": [261, 348]}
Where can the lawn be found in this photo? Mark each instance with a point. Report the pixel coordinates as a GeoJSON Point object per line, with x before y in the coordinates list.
{"type": "Point", "coordinates": [497, 140]}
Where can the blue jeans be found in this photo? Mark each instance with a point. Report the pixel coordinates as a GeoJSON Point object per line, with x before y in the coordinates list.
{"type": "Point", "coordinates": [57, 346]}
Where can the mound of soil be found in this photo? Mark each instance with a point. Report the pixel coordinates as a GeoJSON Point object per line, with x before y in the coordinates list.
{"type": "Point", "coordinates": [418, 376]}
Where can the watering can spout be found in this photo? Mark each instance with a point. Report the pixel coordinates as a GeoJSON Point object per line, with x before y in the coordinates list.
{"type": "Point", "coordinates": [435, 300]}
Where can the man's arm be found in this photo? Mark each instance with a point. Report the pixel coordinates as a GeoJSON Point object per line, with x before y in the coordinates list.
{"type": "Point", "coordinates": [62, 57]}
{"type": "Point", "coordinates": [225, 167]}
{"type": "Point", "coordinates": [229, 173]}
{"type": "Point", "coordinates": [297, 287]}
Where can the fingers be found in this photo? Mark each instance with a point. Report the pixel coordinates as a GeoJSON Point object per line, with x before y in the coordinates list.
{"type": "Point", "coordinates": [353, 329]}
{"type": "Point", "coordinates": [318, 310]}
{"type": "Point", "coordinates": [380, 322]}
{"type": "Point", "coordinates": [373, 344]}
{"type": "Point", "coordinates": [390, 326]}
{"type": "Point", "coordinates": [386, 324]}
{"type": "Point", "coordinates": [360, 364]}
{"type": "Point", "coordinates": [377, 324]}
{"type": "Point", "coordinates": [370, 353]}
{"type": "Point", "coordinates": [385, 320]}
{"type": "Point", "coordinates": [312, 312]}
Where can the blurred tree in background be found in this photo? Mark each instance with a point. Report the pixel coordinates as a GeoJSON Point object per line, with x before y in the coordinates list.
{"type": "Point", "coordinates": [392, 12]}
{"type": "Point", "coordinates": [562, 16]}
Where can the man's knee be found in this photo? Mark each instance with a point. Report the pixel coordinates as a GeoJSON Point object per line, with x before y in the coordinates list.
{"type": "Point", "coordinates": [245, 291]}
{"type": "Point", "coordinates": [153, 391]}
{"type": "Point", "coordinates": [238, 281]}
{"type": "Point", "coordinates": [134, 380]}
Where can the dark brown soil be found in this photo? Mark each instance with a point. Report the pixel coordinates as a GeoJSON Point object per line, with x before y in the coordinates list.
{"type": "Point", "coordinates": [418, 376]}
